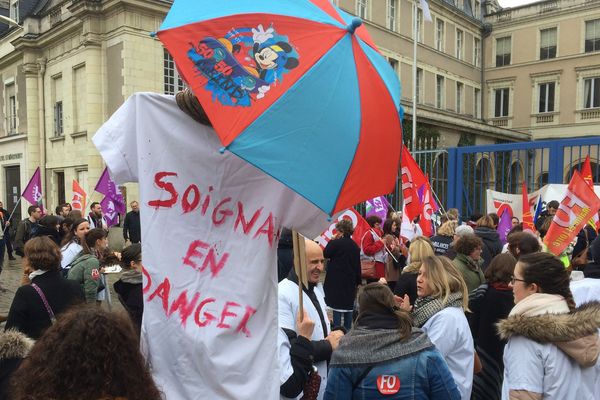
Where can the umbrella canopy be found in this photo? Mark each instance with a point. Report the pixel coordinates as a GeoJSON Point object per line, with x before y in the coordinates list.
{"type": "Point", "coordinates": [296, 88]}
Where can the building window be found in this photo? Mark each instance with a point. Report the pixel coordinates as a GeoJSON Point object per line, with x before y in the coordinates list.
{"type": "Point", "coordinates": [439, 91]}
{"type": "Point", "coordinates": [477, 52]}
{"type": "Point", "coordinates": [14, 10]}
{"type": "Point", "coordinates": [419, 85]}
{"type": "Point", "coordinates": [477, 103]}
{"type": "Point", "coordinates": [592, 35]}
{"type": "Point", "coordinates": [459, 96]}
{"type": "Point", "coordinates": [12, 115]}
{"type": "Point", "coordinates": [392, 10]}
{"type": "Point", "coordinates": [459, 44]}
{"type": "Point", "coordinates": [501, 105]}
{"type": "Point", "coordinates": [419, 25]}
{"type": "Point", "coordinates": [439, 34]}
{"type": "Point", "coordinates": [60, 187]}
{"type": "Point", "coordinates": [547, 43]}
{"type": "Point", "coordinates": [502, 51]}
{"type": "Point", "coordinates": [546, 97]}
{"type": "Point", "coordinates": [591, 93]}
{"type": "Point", "coordinates": [172, 81]}
{"type": "Point", "coordinates": [362, 9]}
{"type": "Point", "coordinates": [394, 64]}
{"type": "Point", "coordinates": [477, 9]}
{"type": "Point", "coordinates": [58, 118]}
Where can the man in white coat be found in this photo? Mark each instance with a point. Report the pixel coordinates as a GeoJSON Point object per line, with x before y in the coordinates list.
{"type": "Point", "coordinates": [323, 341]}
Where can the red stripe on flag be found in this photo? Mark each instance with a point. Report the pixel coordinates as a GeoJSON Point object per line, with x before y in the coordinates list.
{"type": "Point", "coordinates": [373, 171]}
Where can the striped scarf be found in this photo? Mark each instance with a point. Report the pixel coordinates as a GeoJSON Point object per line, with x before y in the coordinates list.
{"type": "Point", "coordinates": [427, 307]}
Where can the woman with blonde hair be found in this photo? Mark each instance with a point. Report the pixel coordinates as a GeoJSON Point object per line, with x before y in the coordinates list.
{"type": "Point", "coordinates": [443, 239]}
{"type": "Point", "coordinates": [419, 249]}
{"type": "Point", "coordinates": [383, 351]}
{"type": "Point", "coordinates": [440, 312]}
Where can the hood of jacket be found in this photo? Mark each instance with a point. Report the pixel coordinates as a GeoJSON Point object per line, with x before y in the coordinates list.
{"type": "Point", "coordinates": [575, 333]}
{"type": "Point", "coordinates": [487, 234]}
{"type": "Point", "coordinates": [81, 257]}
{"type": "Point", "coordinates": [14, 344]}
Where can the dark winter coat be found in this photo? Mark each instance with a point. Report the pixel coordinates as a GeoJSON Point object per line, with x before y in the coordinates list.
{"type": "Point", "coordinates": [27, 311]}
{"type": "Point", "coordinates": [343, 273]}
{"type": "Point", "coordinates": [285, 255]}
{"type": "Point", "coordinates": [592, 270]}
{"type": "Point", "coordinates": [14, 346]}
{"type": "Point", "coordinates": [441, 244]}
{"type": "Point", "coordinates": [489, 305]}
{"type": "Point", "coordinates": [130, 295]}
{"type": "Point", "coordinates": [52, 233]}
{"type": "Point", "coordinates": [132, 229]}
{"type": "Point", "coordinates": [492, 246]}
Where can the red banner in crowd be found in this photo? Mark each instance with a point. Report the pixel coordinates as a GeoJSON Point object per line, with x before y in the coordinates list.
{"type": "Point", "coordinates": [412, 179]}
{"type": "Point", "coordinates": [527, 217]}
{"type": "Point", "coordinates": [586, 173]}
{"type": "Point", "coordinates": [79, 197]}
{"type": "Point", "coordinates": [429, 206]}
{"type": "Point", "coordinates": [576, 209]}
{"type": "Point", "coordinates": [358, 222]}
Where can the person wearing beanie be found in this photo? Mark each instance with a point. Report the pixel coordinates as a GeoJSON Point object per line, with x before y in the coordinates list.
{"type": "Point", "coordinates": [129, 287]}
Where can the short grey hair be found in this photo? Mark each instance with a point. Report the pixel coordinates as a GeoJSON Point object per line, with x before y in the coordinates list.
{"type": "Point", "coordinates": [463, 230]}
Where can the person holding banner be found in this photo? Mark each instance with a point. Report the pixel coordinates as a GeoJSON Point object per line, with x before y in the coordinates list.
{"type": "Point", "coordinates": [552, 345]}
{"type": "Point", "coordinates": [323, 340]}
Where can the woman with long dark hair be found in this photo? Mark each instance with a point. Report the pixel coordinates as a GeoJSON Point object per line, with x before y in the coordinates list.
{"type": "Point", "coordinates": [85, 269]}
{"type": "Point", "coordinates": [72, 243]}
{"type": "Point", "coordinates": [88, 354]}
{"type": "Point", "coordinates": [383, 345]}
{"type": "Point", "coordinates": [552, 345]}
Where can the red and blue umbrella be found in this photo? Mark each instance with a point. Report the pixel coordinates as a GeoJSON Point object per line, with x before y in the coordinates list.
{"type": "Point", "coordinates": [296, 88]}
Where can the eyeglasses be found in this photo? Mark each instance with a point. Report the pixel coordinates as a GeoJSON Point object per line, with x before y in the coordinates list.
{"type": "Point", "coordinates": [513, 280]}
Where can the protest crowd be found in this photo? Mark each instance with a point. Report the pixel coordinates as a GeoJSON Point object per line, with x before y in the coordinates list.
{"type": "Point", "coordinates": [430, 305]}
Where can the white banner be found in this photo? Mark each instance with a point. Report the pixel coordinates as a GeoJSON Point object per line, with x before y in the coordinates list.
{"type": "Point", "coordinates": [498, 200]}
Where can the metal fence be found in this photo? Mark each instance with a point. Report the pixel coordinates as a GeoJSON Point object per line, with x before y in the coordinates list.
{"type": "Point", "coordinates": [504, 167]}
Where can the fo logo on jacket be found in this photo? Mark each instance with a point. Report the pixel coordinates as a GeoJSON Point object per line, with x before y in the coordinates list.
{"type": "Point", "coordinates": [388, 384]}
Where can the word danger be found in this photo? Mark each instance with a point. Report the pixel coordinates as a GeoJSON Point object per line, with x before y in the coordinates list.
{"type": "Point", "coordinates": [204, 312]}
{"type": "Point", "coordinates": [224, 212]}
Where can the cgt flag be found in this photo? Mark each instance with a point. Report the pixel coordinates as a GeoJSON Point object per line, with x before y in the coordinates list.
{"type": "Point", "coordinates": [586, 173]}
{"type": "Point", "coordinates": [358, 222]}
{"type": "Point", "coordinates": [79, 197]}
{"type": "Point", "coordinates": [33, 190]}
{"type": "Point", "coordinates": [574, 212]}
{"type": "Point", "coordinates": [412, 179]}
{"type": "Point", "coordinates": [527, 218]}
{"type": "Point", "coordinates": [428, 207]}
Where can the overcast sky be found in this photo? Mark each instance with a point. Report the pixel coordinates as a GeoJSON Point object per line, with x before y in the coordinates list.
{"type": "Point", "coordinates": [514, 3]}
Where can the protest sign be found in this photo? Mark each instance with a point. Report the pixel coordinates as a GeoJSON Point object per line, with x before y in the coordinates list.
{"type": "Point", "coordinates": [210, 224]}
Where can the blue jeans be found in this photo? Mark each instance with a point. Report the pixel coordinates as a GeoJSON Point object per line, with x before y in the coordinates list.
{"type": "Point", "coordinates": [337, 319]}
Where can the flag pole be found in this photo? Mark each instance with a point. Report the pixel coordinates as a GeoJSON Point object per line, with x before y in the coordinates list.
{"type": "Point", "coordinates": [414, 80]}
{"type": "Point", "coordinates": [11, 214]}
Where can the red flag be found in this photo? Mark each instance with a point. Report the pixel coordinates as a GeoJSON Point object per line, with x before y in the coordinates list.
{"type": "Point", "coordinates": [527, 217]}
{"type": "Point", "coordinates": [412, 179]}
{"type": "Point", "coordinates": [360, 227]}
{"type": "Point", "coordinates": [429, 206]}
{"type": "Point", "coordinates": [576, 209]}
{"type": "Point", "coordinates": [586, 173]}
{"type": "Point", "coordinates": [79, 197]}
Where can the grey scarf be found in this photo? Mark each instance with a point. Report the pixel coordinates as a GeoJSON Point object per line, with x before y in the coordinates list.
{"type": "Point", "coordinates": [427, 307]}
{"type": "Point", "coordinates": [364, 346]}
{"type": "Point", "coordinates": [131, 276]}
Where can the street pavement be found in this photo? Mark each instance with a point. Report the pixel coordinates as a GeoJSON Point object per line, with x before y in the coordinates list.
{"type": "Point", "coordinates": [10, 280]}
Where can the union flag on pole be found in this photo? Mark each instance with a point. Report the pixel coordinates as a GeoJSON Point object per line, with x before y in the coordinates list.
{"type": "Point", "coordinates": [527, 217]}
{"type": "Point", "coordinates": [358, 222]}
{"type": "Point", "coordinates": [33, 190]}
{"type": "Point", "coordinates": [574, 212]}
{"type": "Point", "coordinates": [429, 206]}
{"type": "Point", "coordinates": [586, 173]}
{"type": "Point", "coordinates": [412, 179]}
{"type": "Point", "coordinates": [79, 197]}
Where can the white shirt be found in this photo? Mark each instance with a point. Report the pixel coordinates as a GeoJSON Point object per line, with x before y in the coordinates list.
{"type": "Point", "coordinates": [210, 224]}
{"type": "Point", "coordinates": [289, 304]}
{"type": "Point", "coordinates": [449, 331]}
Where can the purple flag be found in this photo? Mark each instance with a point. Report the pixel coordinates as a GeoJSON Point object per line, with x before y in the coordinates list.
{"type": "Point", "coordinates": [33, 190]}
{"type": "Point", "coordinates": [107, 187]}
{"type": "Point", "coordinates": [111, 210]}
{"type": "Point", "coordinates": [377, 206]}
{"type": "Point", "coordinates": [505, 224]}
